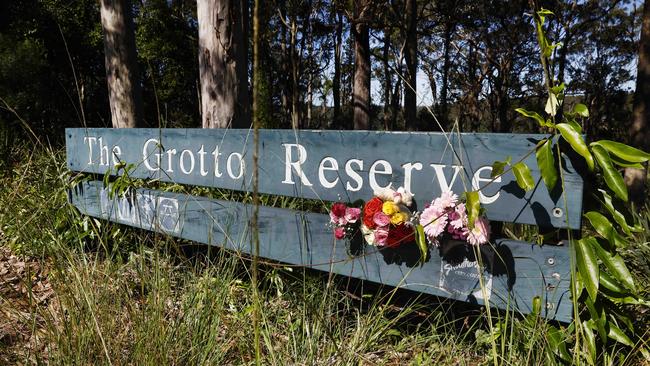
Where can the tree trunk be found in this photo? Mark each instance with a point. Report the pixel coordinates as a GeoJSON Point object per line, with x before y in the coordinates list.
{"type": "Point", "coordinates": [336, 83]}
{"type": "Point", "coordinates": [639, 136]}
{"type": "Point", "coordinates": [410, 98]}
{"type": "Point", "coordinates": [223, 61]}
{"type": "Point", "coordinates": [261, 106]}
{"type": "Point", "coordinates": [295, 89]}
{"type": "Point", "coordinates": [361, 93]}
{"type": "Point", "coordinates": [388, 80]}
{"type": "Point", "coordinates": [124, 91]}
{"type": "Point", "coordinates": [444, 90]}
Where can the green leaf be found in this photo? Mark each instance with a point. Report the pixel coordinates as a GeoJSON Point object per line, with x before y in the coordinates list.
{"type": "Point", "coordinates": [576, 126]}
{"type": "Point", "coordinates": [604, 227]}
{"type": "Point", "coordinates": [590, 339]}
{"type": "Point", "coordinates": [588, 265]}
{"type": "Point", "coordinates": [624, 163]}
{"type": "Point", "coordinates": [473, 206]}
{"type": "Point", "coordinates": [618, 217]}
{"type": "Point", "coordinates": [534, 115]}
{"type": "Point", "coordinates": [616, 266]}
{"type": "Point", "coordinates": [499, 166]}
{"type": "Point", "coordinates": [557, 342]}
{"type": "Point", "coordinates": [523, 176]}
{"type": "Point", "coordinates": [574, 139]}
{"type": "Point", "coordinates": [613, 178]}
{"type": "Point", "coordinates": [558, 88]}
{"type": "Point", "coordinates": [581, 110]}
{"type": "Point", "coordinates": [422, 243]}
{"type": "Point", "coordinates": [546, 163]}
{"type": "Point", "coordinates": [597, 314]}
{"type": "Point", "coordinates": [608, 282]}
{"type": "Point", "coordinates": [618, 335]}
{"type": "Point", "coordinates": [623, 151]}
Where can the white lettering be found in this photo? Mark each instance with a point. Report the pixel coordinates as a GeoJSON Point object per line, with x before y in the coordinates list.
{"type": "Point", "coordinates": [90, 141]}
{"type": "Point", "coordinates": [289, 163]}
{"type": "Point", "coordinates": [170, 152]}
{"type": "Point", "coordinates": [476, 183]}
{"type": "Point", "coordinates": [442, 179]}
{"type": "Point", "coordinates": [333, 166]}
{"type": "Point", "coordinates": [187, 171]}
{"type": "Point", "coordinates": [408, 169]}
{"type": "Point", "coordinates": [242, 167]}
{"type": "Point", "coordinates": [145, 156]}
{"type": "Point", "coordinates": [353, 174]}
{"type": "Point", "coordinates": [103, 153]}
{"type": "Point", "coordinates": [202, 162]}
{"type": "Point", "coordinates": [387, 170]}
{"type": "Point", "coordinates": [216, 155]}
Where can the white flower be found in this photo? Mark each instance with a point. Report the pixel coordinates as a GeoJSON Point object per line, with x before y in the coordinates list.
{"type": "Point", "coordinates": [402, 196]}
{"type": "Point", "coordinates": [385, 193]}
{"type": "Point", "coordinates": [368, 235]}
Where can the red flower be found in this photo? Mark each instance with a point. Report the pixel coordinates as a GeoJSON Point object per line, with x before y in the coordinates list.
{"type": "Point", "coordinates": [369, 210]}
{"type": "Point", "coordinates": [339, 232]}
{"type": "Point", "coordinates": [338, 209]}
{"type": "Point", "coordinates": [398, 235]}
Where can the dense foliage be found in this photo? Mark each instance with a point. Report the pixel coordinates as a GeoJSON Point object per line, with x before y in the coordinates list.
{"type": "Point", "coordinates": [476, 62]}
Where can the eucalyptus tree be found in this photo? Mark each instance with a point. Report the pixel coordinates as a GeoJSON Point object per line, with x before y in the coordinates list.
{"type": "Point", "coordinates": [223, 63]}
{"type": "Point", "coordinates": [125, 96]}
{"type": "Point", "coordinates": [362, 13]}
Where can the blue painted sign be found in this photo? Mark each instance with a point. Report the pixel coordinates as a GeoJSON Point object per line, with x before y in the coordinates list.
{"type": "Point", "coordinates": [336, 165]}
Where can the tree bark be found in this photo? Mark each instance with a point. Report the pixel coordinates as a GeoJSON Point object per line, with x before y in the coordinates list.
{"type": "Point", "coordinates": [361, 89]}
{"type": "Point", "coordinates": [261, 105]}
{"type": "Point", "coordinates": [336, 83]}
{"type": "Point", "coordinates": [444, 89]}
{"type": "Point", "coordinates": [639, 135]}
{"type": "Point", "coordinates": [410, 98]}
{"type": "Point", "coordinates": [388, 80]}
{"type": "Point", "coordinates": [124, 90]}
{"type": "Point", "coordinates": [223, 61]}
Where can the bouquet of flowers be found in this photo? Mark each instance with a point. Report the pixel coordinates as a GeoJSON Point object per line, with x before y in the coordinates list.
{"type": "Point", "coordinates": [387, 219]}
{"type": "Point", "coordinates": [344, 220]}
{"type": "Point", "coordinates": [446, 217]}
{"type": "Point", "coordinates": [384, 221]}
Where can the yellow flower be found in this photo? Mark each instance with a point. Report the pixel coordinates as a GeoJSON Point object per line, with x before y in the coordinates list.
{"type": "Point", "coordinates": [390, 208]}
{"type": "Point", "coordinates": [398, 218]}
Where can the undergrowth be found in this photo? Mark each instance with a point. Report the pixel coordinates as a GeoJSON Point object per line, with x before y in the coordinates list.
{"type": "Point", "coordinates": [127, 296]}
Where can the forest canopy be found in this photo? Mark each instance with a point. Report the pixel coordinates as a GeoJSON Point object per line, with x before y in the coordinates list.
{"type": "Point", "coordinates": [469, 62]}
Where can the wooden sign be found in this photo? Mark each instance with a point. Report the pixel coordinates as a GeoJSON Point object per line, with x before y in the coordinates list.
{"type": "Point", "coordinates": [515, 272]}
{"type": "Point", "coordinates": [337, 165]}
{"type": "Point", "coordinates": [342, 166]}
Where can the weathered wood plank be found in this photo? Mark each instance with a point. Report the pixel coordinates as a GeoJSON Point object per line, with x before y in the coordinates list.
{"type": "Point", "coordinates": [518, 271]}
{"type": "Point", "coordinates": [336, 165]}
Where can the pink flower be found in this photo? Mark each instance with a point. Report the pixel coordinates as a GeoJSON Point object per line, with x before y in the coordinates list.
{"type": "Point", "coordinates": [480, 233]}
{"type": "Point", "coordinates": [458, 217]}
{"type": "Point", "coordinates": [339, 232]}
{"type": "Point", "coordinates": [446, 200]}
{"type": "Point", "coordinates": [337, 214]}
{"type": "Point", "coordinates": [434, 221]}
{"type": "Point", "coordinates": [381, 235]}
{"type": "Point", "coordinates": [381, 219]}
{"type": "Point", "coordinates": [352, 214]}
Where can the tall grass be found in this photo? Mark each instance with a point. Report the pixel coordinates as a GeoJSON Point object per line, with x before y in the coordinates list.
{"type": "Point", "coordinates": [127, 296]}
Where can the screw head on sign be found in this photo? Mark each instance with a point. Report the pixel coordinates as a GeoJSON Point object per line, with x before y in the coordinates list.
{"type": "Point", "coordinates": [557, 212]}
